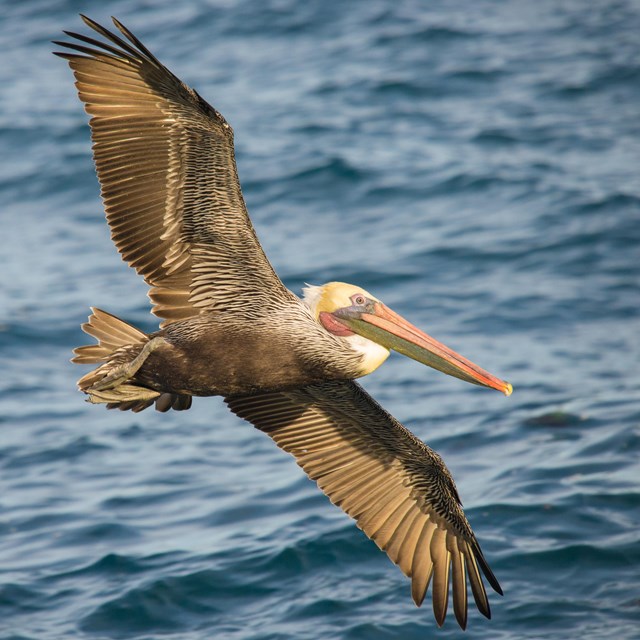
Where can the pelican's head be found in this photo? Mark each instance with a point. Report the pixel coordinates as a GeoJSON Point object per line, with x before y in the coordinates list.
{"type": "Point", "coordinates": [372, 329]}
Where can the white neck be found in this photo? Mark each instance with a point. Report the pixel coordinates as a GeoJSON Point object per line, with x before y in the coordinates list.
{"type": "Point", "coordinates": [373, 354]}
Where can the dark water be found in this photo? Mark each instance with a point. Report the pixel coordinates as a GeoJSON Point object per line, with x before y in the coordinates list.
{"type": "Point", "coordinates": [474, 164]}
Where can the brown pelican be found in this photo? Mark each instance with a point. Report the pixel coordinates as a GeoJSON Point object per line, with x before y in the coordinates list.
{"type": "Point", "coordinates": [166, 165]}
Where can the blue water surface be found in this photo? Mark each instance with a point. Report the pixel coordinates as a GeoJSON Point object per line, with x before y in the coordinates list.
{"type": "Point", "coordinates": [475, 165]}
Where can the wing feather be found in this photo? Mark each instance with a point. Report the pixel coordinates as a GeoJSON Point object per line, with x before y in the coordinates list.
{"type": "Point", "coordinates": [408, 541]}
{"type": "Point", "coordinates": [422, 567]}
{"type": "Point", "coordinates": [397, 489]}
{"type": "Point", "coordinates": [382, 513]}
{"type": "Point", "coordinates": [441, 563]}
{"type": "Point", "coordinates": [458, 577]}
{"type": "Point", "coordinates": [166, 165]}
{"type": "Point", "coordinates": [384, 534]}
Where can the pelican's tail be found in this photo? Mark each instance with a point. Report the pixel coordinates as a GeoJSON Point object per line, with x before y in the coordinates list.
{"type": "Point", "coordinates": [122, 349]}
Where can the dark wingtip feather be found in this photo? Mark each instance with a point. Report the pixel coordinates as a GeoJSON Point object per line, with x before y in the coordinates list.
{"type": "Point", "coordinates": [120, 26]}
{"type": "Point", "coordinates": [109, 35]}
{"type": "Point", "coordinates": [61, 54]}
{"type": "Point", "coordinates": [93, 53]}
{"type": "Point", "coordinates": [89, 22]}
{"type": "Point", "coordinates": [484, 565]}
{"type": "Point", "coordinates": [489, 575]}
{"type": "Point", "coordinates": [133, 39]}
{"type": "Point", "coordinates": [462, 619]}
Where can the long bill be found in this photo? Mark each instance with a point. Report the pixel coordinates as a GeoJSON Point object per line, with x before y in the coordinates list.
{"type": "Point", "coordinates": [392, 331]}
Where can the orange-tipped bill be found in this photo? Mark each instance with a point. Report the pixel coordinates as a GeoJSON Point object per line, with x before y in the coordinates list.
{"type": "Point", "coordinates": [387, 328]}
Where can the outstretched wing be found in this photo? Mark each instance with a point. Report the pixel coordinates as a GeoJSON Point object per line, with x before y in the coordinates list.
{"type": "Point", "coordinates": [167, 170]}
{"type": "Point", "coordinates": [397, 489]}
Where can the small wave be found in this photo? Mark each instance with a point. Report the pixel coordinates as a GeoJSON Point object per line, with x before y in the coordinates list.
{"type": "Point", "coordinates": [171, 604]}
{"type": "Point", "coordinates": [554, 419]}
{"type": "Point", "coordinates": [112, 564]}
{"type": "Point", "coordinates": [73, 450]}
{"type": "Point", "coordinates": [612, 77]}
{"type": "Point", "coordinates": [436, 34]}
{"type": "Point", "coordinates": [327, 173]}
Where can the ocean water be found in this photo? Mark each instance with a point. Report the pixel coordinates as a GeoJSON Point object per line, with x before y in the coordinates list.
{"type": "Point", "coordinates": [475, 165]}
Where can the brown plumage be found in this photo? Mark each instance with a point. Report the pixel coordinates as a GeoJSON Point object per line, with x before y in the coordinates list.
{"type": "Point", "coordinates": [166, 165]}
{"type": "Point", "coordinates": [397, 489]}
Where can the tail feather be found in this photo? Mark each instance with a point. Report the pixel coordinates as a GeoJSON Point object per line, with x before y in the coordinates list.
{"type": "Point", "coordinates": [118, 344]}
{"type": "Point", "coordinates": [136, 405]}
{"type": "Point", "coordinates": [111, 334]}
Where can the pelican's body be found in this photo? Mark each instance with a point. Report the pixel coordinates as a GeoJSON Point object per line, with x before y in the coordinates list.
{"type": "Point", "coordinates": [214, 354]}
{"type": "Point", "coordinates": [210, 355]}
{"type": "Point", "coordinates": [286, 348]}
{"type": "Point", "coordinates": [225, 354]}
{"type": "Point", "coordinates": [166, 166]}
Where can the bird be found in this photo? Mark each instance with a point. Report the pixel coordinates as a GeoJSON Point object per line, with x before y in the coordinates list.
{"type": "Point", "coordinates": [229, 327]}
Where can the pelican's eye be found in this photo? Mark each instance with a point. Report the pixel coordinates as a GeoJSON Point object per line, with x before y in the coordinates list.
{"type": "Point", "coordinates": [358, 299]}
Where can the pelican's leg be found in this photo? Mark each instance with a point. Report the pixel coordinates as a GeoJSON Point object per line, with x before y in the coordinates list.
{"type": "Point", "coordinates": [127, 370]}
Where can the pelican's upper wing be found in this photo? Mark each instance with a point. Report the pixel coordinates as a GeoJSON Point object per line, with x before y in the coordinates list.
{"type": "Point", "coordinates": [397, 489]}
{"type": "Point", "coordinates": [167, 170]}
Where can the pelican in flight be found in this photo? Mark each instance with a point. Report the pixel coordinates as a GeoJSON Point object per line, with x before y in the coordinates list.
{"type": "Point", "coordinates": [166, 165]}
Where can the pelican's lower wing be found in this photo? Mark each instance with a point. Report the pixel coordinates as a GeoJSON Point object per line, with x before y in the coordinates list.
{"type": "Point", "coordinates": [397, 489]}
